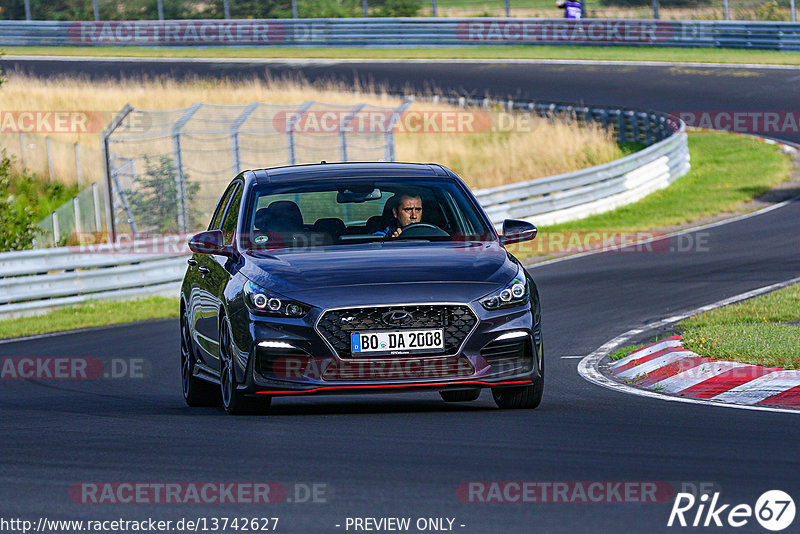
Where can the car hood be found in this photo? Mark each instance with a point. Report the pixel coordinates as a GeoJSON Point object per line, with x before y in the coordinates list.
{"type": "Point", "coordinates": [382, 273]}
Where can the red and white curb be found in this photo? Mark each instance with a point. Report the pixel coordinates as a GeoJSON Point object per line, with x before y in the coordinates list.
{"type": "Point", "coordinates": [667, 367]}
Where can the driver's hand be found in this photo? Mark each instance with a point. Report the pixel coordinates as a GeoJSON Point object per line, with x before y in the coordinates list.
{"type": "Point", "coordinates": [397, 232]}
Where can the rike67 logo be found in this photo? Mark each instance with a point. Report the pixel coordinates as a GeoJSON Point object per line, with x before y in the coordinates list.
{"type": "Point", "coordinates": [774, 510]}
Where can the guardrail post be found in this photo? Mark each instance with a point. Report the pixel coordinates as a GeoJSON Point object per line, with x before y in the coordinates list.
{"type": "Point", "coordinates": [396, 114]}
{"type": "Point", "coordinates": [343, 126]}
{"type": "Point", "coordinates": [290, 129]}
{"type": "Point", "coordinates": [180, 177]}
{"type": "Point", "coordinates": [240, 120]}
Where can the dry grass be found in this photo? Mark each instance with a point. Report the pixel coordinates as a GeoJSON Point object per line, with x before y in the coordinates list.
{"type": "Point", "coordinates": [537, 148]}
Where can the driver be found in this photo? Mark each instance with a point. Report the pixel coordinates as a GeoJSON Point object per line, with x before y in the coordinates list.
{"type": "Point", "coordinates": [407, 211]}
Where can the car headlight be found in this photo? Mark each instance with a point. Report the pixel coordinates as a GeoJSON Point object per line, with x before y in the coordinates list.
{"type": "Point", "coordinates": [270, 303]}
{"type": "Point", "coordinates": [514, 293]}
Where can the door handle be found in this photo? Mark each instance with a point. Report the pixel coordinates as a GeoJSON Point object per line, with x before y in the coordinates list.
{"type": "Point", "coordinates": [191, 262]}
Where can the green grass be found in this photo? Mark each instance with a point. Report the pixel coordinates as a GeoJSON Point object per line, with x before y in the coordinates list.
{"type": "Point", "coordinates": [751, 331]}
{"type": "Point", "coordinates": [624, 351]}
{"type": "Point", "coordinates": [727, 170]}
{"type": "Point", "coordinates": [89, 314]}
{"type": "Point", "coordinates": [701, 55]}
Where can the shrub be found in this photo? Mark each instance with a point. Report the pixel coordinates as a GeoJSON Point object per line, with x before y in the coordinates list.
{"type": "Point", "coordinates": [16, 218]}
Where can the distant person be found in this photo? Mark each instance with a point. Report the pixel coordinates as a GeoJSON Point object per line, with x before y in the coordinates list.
{"type": "Point", "coordinates": [572, 10]}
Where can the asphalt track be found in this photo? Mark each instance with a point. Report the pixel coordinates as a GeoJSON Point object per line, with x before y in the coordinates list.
{"type": "Point", "coordinates": [405, 455]}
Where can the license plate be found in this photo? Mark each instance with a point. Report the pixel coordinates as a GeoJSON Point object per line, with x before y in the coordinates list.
{"type": "Point", "coordinates": [397, 342]}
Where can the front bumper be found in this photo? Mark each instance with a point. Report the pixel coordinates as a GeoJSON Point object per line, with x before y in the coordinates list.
{"type": "Point", "coordinates": [291, 356]}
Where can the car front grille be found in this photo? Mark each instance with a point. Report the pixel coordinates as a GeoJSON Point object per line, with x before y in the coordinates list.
{"type": "Point", "coordinates": [457, 321]}
{"type": "Point", "coordinates": [510, 356]}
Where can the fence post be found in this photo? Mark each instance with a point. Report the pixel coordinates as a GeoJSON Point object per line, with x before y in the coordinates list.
{"type": "Point", "coordinates": [240, 120]}
{"type": "Point", "coordinates": [49, 158]}
{"type": "Point", "coordinates": [290, 129]}
{"type": "Point", "coordinates": [77, 213]}
{"type": "Point", "coordinates": [96, 202]}
{"type": "Point", "coordinates": [396, 114]}
{"type": "Point", "coordinates": [111, 225]}
{"type": "Point", "coordinates": [226, 8]}
{"type": "Point", "coordinates": [22, 150]}
{"type": "Point", "coordinates": [344, 124]}
{"type": "Point", "coordinates": [180, 178]}
{"type": "Point", "coordinates": [78, 165]}
{"type": "Point", "coordinates": [56, 235]}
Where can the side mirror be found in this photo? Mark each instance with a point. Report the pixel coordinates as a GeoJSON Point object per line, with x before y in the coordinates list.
{"type": "Point", "coordinates": [210, 242]}
{"type": "Point", "coordinates": [517, 231]}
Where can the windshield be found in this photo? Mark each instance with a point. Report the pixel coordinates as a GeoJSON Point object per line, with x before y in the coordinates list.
{"type": "Point", "coordinates": [340, 212]}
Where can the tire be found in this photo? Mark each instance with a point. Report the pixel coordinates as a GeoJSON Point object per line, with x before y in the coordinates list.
{"type": "Point", "coordinates": [234, 402]}
{"type": "Point", "coordinates": [196, 391]}
{"type": "Point", "coordinates": [460, 395]}
{"type": "Point", "coordinates": [524, 397]}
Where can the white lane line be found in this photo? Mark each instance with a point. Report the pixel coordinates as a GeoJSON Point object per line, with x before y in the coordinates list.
{"type": "Point", "coordinates": [654, 364]}
{"type": "Point", "coordinates": [647, 351]}
{"type": "Point", "coordinates": [761, 388]}
{"type": "Point", "coordinates": [588, 367]}
{"type": "Point", "coordinates": [695, 375]}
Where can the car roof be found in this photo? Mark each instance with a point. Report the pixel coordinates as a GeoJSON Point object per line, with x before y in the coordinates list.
{"type": "Point", "coordinates": [293, 173]}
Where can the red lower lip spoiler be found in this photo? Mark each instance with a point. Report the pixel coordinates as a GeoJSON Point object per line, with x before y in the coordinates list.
{"type": "Point", "coordinates": [388, 386]}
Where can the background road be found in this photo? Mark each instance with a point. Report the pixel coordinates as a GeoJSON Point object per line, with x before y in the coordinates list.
{"type": "Point", "coordinates": [405, 455]}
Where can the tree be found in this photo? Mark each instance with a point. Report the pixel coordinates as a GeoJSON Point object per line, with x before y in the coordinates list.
{"type": "Point", "coordinates": [154, 198]}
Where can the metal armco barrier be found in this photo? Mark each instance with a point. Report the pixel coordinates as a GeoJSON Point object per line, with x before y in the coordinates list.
{"type": "Point", "coordinates": [39, 280]}
{"type": "Point", "coordinates": [404, 32]}
{"type": "Point", "coordinates": [36, 281]}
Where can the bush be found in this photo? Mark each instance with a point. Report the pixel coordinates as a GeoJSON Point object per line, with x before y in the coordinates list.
{"type": "Point", "coordinates": [398, 8]}
{"type": "Point", "coordinates": [16, 218]}
{"type": "Point", "coordinates": [772, 11]}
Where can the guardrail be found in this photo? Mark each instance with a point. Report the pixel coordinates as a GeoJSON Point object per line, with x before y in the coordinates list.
{"type": "Point", "coordinates": [36, 281]}
{"type": "Point", "coordinates": [404, 32]}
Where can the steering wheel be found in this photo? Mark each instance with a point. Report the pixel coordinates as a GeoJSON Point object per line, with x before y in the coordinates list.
{"type": "Point", "coordinates": [422, 229]}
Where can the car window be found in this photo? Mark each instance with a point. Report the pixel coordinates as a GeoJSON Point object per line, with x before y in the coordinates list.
{"type": "Point", "coordinates": [232, 216]}
{"type": "Point", "coordinates": [216, 219]}
{"type": "Point", "coordinates": [332, 212]}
